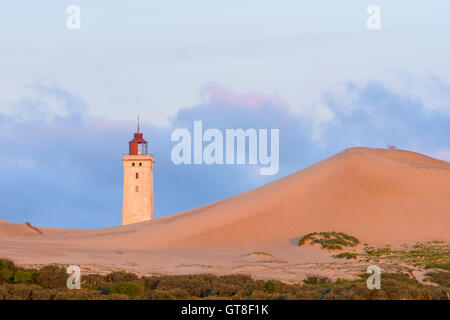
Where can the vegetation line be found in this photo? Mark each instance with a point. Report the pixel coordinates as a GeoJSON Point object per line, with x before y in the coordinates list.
{"type": "Point", "coordinates": [34, 228]}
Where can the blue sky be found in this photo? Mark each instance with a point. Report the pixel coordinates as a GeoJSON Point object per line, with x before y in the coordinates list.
{"type": "Point", "coordinates": [69, 98]}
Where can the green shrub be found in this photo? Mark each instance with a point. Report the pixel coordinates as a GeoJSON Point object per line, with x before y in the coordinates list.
{"type": "Point", "coordinates": [7, 269]}
{"type": "Point", "coordinates": [438, 265]}
{"type": "Point", "coordinates": [442, 278]}
{"type": "Point", "coordinates": [121, 276]}
{"type": "Point", "coordinates": [43, 294]}
{"type": "Point", "coordinates": [329, 240]}
{"type": "Point", "coordinates": [52, 277]}
{"type": "Point", "coordinates": [77, 295]}
{"type": "Point", "coordinates": [269, 286]}
{"type": "Point", "coordinates": [113, 296]}
{"type": "Point", "coordinates": [94, 281]}
{"type": "Point", "coordinates": [260, 253]}
{"type": "Point", "coordinates": [17, 291]}
{"type": "Point", "coordinates": [346, 255]}
{"type": "Point", "coordinates": [6, 275]}
{"type": "Point", "coordinates": [6, 264]}
{"type": "Point", "coordinates": [316, 280]}
{"type": "Point", "coordinates": [195, 285]}
{"type": "Point", "coordinates": [260, 295]}
{"type": "Point", "coordinates": [150, 283]}
{"type": "Point", "coordinates": [172, 294]}
{"type": "Point", "coordinates": [131, 289]}
{"type": "Point", "coordinates": [23, 276]}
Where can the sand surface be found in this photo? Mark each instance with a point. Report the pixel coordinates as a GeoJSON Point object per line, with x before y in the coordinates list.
{"type": "Point", "coordinates": [380, 196]}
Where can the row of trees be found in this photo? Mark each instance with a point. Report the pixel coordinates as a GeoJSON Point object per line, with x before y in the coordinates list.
{"type": "Point", "coordinates": [49, 283]}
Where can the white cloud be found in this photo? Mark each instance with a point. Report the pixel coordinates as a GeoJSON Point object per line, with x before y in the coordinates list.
{"type": "Point", "coordinates": [429, 90]}
{"type": "Point", "coordinates": [442, 154]}
{"type": "Point", "coordinates": [27, 163]}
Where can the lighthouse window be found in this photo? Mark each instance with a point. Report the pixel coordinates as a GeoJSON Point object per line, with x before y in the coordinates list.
{"type": "Point", "coordinates": [132, 164]}
{"type": "Point", "coordinates": [137, 175]}
{"type": "Point", "coordinates": [137, 189]}
{"type": "Point", "coordinates": [140, 164]}
{"type": "Point", "coordinates": [142, 148]}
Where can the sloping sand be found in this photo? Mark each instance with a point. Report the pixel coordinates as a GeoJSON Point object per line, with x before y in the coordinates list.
{"type": "Point", "coordinates": [380, 196]}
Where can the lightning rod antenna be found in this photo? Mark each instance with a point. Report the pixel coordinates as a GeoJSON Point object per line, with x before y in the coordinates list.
{"type": "Point", "coordinates": [138, 122]}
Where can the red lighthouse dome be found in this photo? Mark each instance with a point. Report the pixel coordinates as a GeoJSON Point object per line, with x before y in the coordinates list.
{"type": "Point", "coordinates": [138, 146]}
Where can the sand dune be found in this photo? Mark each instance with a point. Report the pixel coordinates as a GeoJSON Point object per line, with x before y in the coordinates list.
{"type": "Point", "coordinates": [14, 229]}
{"type": "Point", "coordinates": [380, 196]}
{"type": "Point", "coordinates": [384, 196]}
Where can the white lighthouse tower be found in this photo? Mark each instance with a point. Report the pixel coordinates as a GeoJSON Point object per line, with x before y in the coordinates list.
{"type": "Point", "coordinates": [137, 182]}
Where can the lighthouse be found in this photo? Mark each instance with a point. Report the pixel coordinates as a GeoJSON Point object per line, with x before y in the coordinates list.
{"type": "Point", "coordinates": [137, 181]}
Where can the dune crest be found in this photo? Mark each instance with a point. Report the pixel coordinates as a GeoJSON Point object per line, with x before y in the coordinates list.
{"type": "Point", "coordinates": [380, 196]}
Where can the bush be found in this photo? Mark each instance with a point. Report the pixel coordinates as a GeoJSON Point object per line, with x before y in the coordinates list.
{"type": "Point", "coordinates": [150, 283]}
{"type": "Point", "coordinates": [6, 264]}
{"type": "Point", "coordinates": [94, 281]}
{"type": "Point", "coordinates": [173, 294]}
{"type": "Point", "coordinates": [43, 294]}
{"type": "Point", "coordinates": [77, 295]}
{"type": "Point", "coordinates": [259, 295]}
{"type": "Point", "coordinates": [346, 255]}
{"type": "Point", "coordinates": [194, 285]}
{"type": "Point", "coordinates": [160, 295]}
{"type": "Point", "coordinates": [442, 278]}
{"type": "Point", "coordinates": [113, 296]}
{"type": "Point", "coordinates": [329, 240]}
{"type": "Point", "coordinates": [7, 269]}
{"type": "Point", "coordinates": [52, 277]}
{"type": "Point", "coordinates": [23, 276]}
{"type": "Point", "coordinates": [121, 276]}
{"type": "Point", "coordinates": [269, 286]}
{"type": "Point", "coordinates": [131, 289]}
{"type": "Point", "coordinates": [437, 265]}
{"type": "Point", "coordinates": [16, 292]}
{"type": "Point", "coordinates": [316, 280]}
{"type": "Point", "coordinates": [5, 275]}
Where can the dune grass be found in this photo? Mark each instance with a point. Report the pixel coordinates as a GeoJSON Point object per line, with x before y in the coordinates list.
{"type": "Point", "coordinates": [347, 255]}
{"type": "Point", "coordinates": [329, 240]}
{"type": "Point", "coordinates": [426, 255]}
{"type": "Point", "coordinates": [260, 253]}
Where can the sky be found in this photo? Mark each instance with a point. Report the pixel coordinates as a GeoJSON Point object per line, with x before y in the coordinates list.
{"type": "Point", "coordinates": [312, 69]}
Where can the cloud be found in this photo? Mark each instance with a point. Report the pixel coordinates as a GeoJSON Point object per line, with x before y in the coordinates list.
{"type": "Point", "coordinates": [47, 102]}
{"type": "Point", "coordinates": [27, 163]}
{"type": "Point", "coordinates": [430, 91]}
{"type": "Point", "coordinates": [443, 154]}
{"type": "Point", "coordinates": [61, 166]}
{"type": "Point", "coordinates": [375, 116]}
{"type": "Point", "coordinates": [214, 93]}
